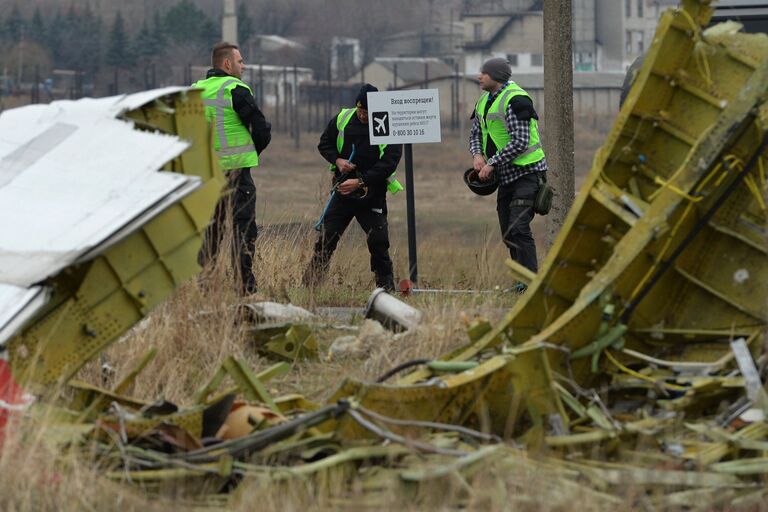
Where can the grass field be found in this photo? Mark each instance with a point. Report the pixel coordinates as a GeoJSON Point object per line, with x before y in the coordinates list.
{"type": "Point", "coordinates": [458, 239]}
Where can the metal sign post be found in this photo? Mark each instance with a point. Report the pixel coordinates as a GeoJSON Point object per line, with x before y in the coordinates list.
{"type": "Point", "coordinates": [406, 117]}
{"type": "Point", "coordinates": [413, 265]}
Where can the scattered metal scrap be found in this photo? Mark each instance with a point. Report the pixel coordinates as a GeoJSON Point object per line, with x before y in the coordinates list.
{"type": "Point", "coordinates": [287, 341]}
{"type": "Point", "coordinates": [632, 371]}
{"type": "Point", "coordinates": [392, 313]}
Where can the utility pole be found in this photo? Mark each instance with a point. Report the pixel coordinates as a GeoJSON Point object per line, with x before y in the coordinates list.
{"type": "Point", "coordinates": [558, 111]}
{"type": "Point", "coordinates": [229, 23]}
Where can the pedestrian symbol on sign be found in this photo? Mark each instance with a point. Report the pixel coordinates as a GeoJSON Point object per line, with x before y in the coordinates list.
{"type": "Point", "coordinates": [381, 124]}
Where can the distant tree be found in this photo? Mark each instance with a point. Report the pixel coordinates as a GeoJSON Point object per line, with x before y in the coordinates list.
{"type": "Point", "coordinates": [75, 40]}
{"type": "Point", "coordinates": [88, 40]}
{"type": "Point", "coordinates": [3, 35]}
{"type": "Point", "coordinates": [159, 35]}
{"type": "Point", "coordinates": [54, 36]}
{"type": "Point", "coordinates": [185, 23]}
{"type": "Point", "coordinates": [119, 52]}
{"type": "Point", "coordinates": [14, 25]}
{"type": "Point", "coordinates": [210, 32]}
{"type": "Point", "coordinates": [63, 40]}
{"type": "Point", "coordinates": [283, 17]}
{"type": "Point", "coordinates": [144, 45]}
{"type": "Point", "coordinates": [37, 28]}
{"type": "Point", "coordinates": [245, 24]}
{"type": "Point", "coordinates": [146, 48]}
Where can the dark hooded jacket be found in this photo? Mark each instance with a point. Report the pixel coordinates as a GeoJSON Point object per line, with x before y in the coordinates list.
{"type": "Point", "coordinates": [373, 170]}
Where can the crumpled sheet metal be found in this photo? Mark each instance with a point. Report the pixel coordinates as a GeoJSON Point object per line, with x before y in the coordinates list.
{"type": "Point", "coordinates": [507, 395]}
{"type": "Point", "coordinates": [699, 286]}
{"type": "Point", "coordinates": [668, 231]}
{"type": "Point", "coordinates": [109, 276]}
{"type": "Point", "coordinates": [81, 161]}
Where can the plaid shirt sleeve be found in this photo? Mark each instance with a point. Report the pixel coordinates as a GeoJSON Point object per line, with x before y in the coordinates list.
{"type": "Point", "coordinates": [475, 142]}
{"type": "Point", "coordinates": [519, 132]}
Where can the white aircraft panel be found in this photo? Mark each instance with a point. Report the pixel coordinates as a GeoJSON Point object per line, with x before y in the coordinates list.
{"type": "Point", "coordinates": [72, 177]}
{"type": "Point", "coordinates": [17, 305]}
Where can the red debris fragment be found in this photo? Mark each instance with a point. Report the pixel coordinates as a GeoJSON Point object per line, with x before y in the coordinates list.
{"type": "Point", "coordinates": [13, 399]}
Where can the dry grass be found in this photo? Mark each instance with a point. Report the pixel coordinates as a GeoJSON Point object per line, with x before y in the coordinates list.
{"type": "Point", "coordinates": [459, 247]}
{"type": "Point", "coordinates": [39, 476]}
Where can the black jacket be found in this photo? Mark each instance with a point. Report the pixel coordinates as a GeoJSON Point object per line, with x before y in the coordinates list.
{"type": "Point", "coordinates": [373, 170]}
{"type": "Point", "coordinates": [244, 105]}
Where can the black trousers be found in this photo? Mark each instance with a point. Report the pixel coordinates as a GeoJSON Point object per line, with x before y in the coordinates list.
{"type": "Point", "coordinates": [515, 221]}
{"type": "Point", "coordinates": [372, 219]}
{"type": "Point", "coordinates": [235, 213]}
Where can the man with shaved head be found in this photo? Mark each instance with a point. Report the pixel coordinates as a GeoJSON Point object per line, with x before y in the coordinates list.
{"type": "Point", "coordinates": [240, 134]}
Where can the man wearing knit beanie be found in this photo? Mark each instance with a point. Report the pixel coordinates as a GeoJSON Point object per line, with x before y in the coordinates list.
{"type": "Point", "coordinates": [497, 70]}
{"type": "Point", "coordinates": [504, 142]}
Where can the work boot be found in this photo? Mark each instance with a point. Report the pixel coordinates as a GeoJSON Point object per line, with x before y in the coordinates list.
{"type": "Point", "coordinates": [386, 281]}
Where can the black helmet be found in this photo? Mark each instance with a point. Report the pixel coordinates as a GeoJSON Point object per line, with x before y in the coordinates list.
{"type": "Point", "coordinates": [481, 188]}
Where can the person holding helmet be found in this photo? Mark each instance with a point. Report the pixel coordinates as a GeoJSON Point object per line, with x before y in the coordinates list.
{"type": "Point", "coordinates": [505, 146]}
{"type": "Point", "coordinates": [362, 176]}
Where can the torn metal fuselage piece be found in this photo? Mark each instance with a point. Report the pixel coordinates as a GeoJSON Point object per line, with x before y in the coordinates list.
{"type": "Point", "coordinates": [510, 395]}
{"type": "Point", "coordinates": [688, 147]}
{"type": "Point", "coordinates": [685, 265]}
{"type": "Point", "coordinates": [104, 203]}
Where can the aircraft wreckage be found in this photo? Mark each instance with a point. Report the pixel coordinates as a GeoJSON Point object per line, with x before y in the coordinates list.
{"type": "Point", "coordinates": [635, 360]}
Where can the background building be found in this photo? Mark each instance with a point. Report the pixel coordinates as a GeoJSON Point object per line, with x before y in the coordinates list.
{"type": "Point", "coordinates": [626, 29]}
{"type": "Point", "coordinates": [443, 40]}
{"type": "Point", "coordinates": [346, 57]}
{"type": "Point", "coordinates": [518, 37]}
{"type": "Point", "coordinates": [608, 35]}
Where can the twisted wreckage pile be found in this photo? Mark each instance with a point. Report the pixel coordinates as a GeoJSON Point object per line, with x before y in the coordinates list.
{"type": "Point", "coordinates": [636, 359]}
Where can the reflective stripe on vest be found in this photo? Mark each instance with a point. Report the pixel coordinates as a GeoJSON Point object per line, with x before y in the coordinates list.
{"type": "Point", "coordinates": [494, 125]}
{"type": "Point", "coordinates": [342, 120]}
{"type": "Point", "coordinates": [233, 143]}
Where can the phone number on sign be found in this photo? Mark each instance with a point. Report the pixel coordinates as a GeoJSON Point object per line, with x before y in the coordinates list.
{"type": "Point", "coordinates": [418, 131]}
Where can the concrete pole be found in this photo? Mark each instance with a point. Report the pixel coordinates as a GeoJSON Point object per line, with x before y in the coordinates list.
{"type": "Point", "coordinates": [558, 111]}
{"type": "Point", "coordinates": [229, 23]}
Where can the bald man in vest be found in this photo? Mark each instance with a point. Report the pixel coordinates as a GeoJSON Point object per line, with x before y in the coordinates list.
{"type": "Point", "coordinates": [241, 133]}
{"type": "Point", "coordinates": [504, 142]}
{"type": "Point", "coordinates": [363, 175]}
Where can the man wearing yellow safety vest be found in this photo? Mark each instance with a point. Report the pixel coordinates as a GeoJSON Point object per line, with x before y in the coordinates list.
{"type": "Point", "coordinates": [240, 134]}
{"type": "Point", "coordinates": [505, 144]}
{"type": "Point", "coordinates": [362, 176]}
